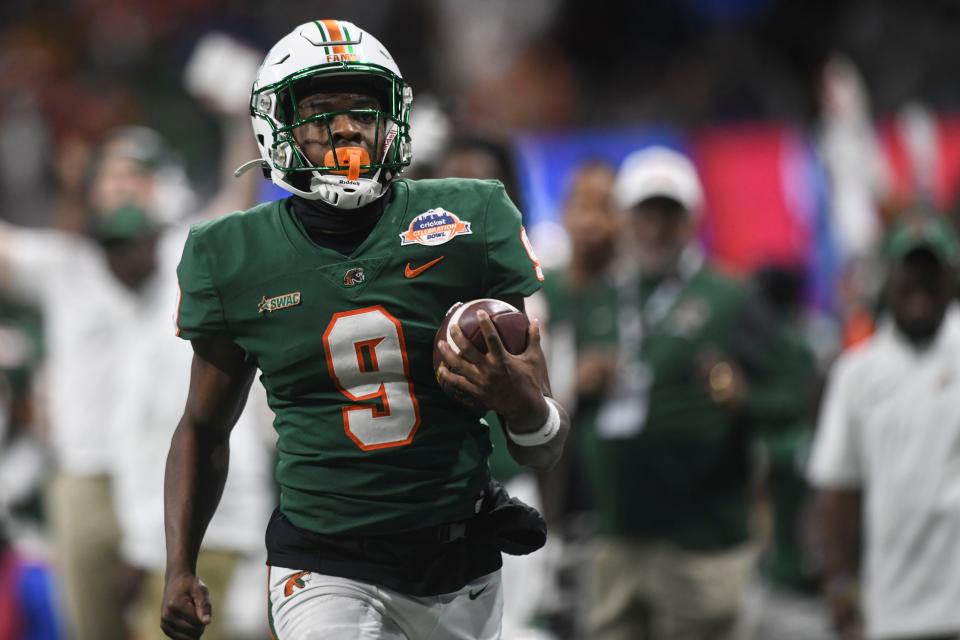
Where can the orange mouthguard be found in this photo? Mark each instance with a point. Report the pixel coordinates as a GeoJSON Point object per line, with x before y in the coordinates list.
{"type": "Point", "coordinates": [352, 157]}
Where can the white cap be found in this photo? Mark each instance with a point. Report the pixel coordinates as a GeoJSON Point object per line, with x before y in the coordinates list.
{"type": "Point", "coordinates": [658, 171]}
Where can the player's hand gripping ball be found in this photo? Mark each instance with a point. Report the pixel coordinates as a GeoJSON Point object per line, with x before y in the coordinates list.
{"type": "Point", "coordinates": [512, 326]}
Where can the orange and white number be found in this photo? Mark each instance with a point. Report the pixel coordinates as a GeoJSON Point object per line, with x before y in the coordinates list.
{"type": "Point", "coordinates": [367, 359]}
{"type": "Point", "coordinates": [537, 269]}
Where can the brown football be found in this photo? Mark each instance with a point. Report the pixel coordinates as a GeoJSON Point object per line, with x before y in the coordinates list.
{"type": "Point", "coordinates": [511, 323]}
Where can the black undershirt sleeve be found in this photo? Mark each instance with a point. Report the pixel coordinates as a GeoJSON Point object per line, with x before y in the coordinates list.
{"type": "Point", "coordinates": [338, 229]}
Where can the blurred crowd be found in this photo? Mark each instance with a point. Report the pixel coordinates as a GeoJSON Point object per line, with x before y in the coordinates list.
{"type": "Point", "coordinates": [744, 463]}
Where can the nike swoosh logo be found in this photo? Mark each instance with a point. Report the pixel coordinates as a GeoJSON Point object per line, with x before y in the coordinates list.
{"type": "Point", "coordinates": [410, 272]}
{"type": "Point", "coordinates": [476, 594]}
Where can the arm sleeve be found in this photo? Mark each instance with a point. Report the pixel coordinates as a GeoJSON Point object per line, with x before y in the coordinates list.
{"type": "Point", "coordinates": [199, 310]}
{"type": "Point", "coordinates": [33, 259]}
{"type": "Point", "coordinates": [835, 460]}
{"type": "Point", "coordinates": [512, 267]}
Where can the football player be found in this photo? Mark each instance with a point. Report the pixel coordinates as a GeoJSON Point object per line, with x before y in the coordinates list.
{"type": "Point", "coordinates": [388, 525]}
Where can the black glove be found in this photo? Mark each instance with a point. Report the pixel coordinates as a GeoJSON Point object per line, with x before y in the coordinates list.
{"type": "Point", "coordinates": [516, 527]}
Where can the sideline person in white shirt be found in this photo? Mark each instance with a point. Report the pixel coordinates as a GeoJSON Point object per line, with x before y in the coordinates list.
{"type": "Point", "coordinates": [888, 441]}
{"type": "Point", "coordinates": [89, 293]}
{"type": "Point", "coordinates": [84, 308]}
{"type": "Point", "coordinates": [156, 378]}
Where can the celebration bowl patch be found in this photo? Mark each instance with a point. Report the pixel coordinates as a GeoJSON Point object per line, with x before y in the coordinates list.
{"type": "Point", "coordinates": [434, 227]}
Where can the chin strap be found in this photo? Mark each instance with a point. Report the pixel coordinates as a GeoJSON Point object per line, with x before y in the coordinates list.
{"type": "Point", "coordinates": [366, 184]}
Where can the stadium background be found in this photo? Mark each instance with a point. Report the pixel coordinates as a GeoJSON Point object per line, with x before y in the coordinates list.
{"type": "Point", "coordinates": [760, 93]}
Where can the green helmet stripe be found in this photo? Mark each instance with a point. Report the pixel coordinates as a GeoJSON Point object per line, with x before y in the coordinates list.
{"type": "Point", "coordinates": [323, 35]}
{"type": "Point", "coordinates": [346, 34]}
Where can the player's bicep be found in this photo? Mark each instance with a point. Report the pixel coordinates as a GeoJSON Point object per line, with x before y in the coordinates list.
{"type": "Point", "coordinates": [220, 378]}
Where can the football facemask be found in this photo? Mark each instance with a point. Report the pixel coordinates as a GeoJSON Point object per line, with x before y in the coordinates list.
{"type": "Point", "coordinates": [323, 57]}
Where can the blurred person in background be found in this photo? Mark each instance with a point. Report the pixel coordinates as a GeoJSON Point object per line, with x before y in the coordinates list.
{"type": "Point", "coordinates": [99, 293]}
{"type": "Point", "coordinates": [85, 308]}
{"type": "Point", "coordinates": [28, 604]}
{"type": "Point", "coordinates": [147, 408]}
{"type": "Point", "coordinates": [670, 456]}
{"type": "Point", "coordinates": [24, 462]}
{"type": "Point", "coordinates": [581, 339]}
{"type": "Point", "coordinates": [885, 459]}
{"type": "Point", "coordinates": [786, 603]}
{"type": "Point", "coordinates": [478, 157]}
{"type": "Point", "coordinates": [580, 342]}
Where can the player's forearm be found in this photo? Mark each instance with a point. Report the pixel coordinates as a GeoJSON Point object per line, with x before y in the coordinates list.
{"type": "Point", "coordinates": [540, 457]}
{"type": "Point", "coordinates": [837, 516]}
{"type": "Point", "coordinates": [195, 475]}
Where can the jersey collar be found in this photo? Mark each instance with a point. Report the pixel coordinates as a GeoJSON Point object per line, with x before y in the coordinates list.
{"type": "Point", "coordinates": [377, 242]}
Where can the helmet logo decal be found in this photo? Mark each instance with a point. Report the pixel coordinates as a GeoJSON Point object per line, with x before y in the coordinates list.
{"type": "Point", "coordinates": [333, 35]}
{"type": "Point", "coordinates": [434, 227]}
{"type": "Point", "coordinates": [342, 57]}
{"type": "Point", "coordinates": [388, 140]}
{"type": "Point", "coordinates": [353, 277]}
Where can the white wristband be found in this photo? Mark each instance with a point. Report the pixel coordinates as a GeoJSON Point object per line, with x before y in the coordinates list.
{"type": "Point", "coordinates": [544, 434]}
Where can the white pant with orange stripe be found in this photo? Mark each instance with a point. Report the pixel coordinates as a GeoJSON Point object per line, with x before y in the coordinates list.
{"type": "Point", "coordinates": [312, 606]}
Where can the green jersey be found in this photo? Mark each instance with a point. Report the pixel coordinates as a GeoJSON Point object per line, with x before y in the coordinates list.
{"type": "Point", "coordinates": [683, 471]}
{"type": "Point", "coordinates": [368, 443]}
{"type": "Point", "coordinates": [683, 475]}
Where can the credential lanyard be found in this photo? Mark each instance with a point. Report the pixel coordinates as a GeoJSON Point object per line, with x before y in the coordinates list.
{"type": "Point", "coordinates": [623, 412]}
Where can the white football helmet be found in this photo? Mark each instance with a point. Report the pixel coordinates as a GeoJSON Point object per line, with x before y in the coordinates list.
{"type": "Point", "coordinates": [336, 50]}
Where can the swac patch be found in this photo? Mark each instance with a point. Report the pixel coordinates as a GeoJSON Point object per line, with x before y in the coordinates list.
{"type": "Point", "coordinates": [354, 276]}
{"type": "Point", "coordinates": [434, 227]}
{"type": "Point", "coordinates": [276, 303]}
